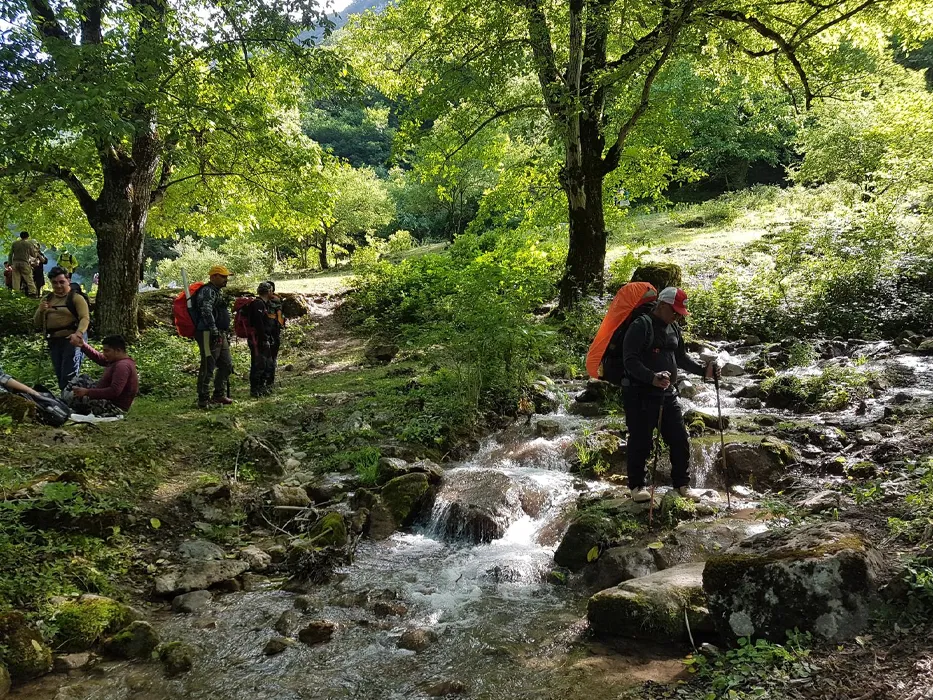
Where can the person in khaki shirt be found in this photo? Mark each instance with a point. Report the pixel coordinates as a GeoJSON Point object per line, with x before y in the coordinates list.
{"type": "Point", "coordinates": [22, 253]}
{"type": "Point", "coordinates": [61, 315]}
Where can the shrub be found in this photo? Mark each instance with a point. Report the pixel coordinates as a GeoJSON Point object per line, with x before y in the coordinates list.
{"type": "Point", "coordinates": [831, 390]}
{"type": "Point", "coordinates": [400, 241]}
{"type": "Point", "coordinates": [16, 313]}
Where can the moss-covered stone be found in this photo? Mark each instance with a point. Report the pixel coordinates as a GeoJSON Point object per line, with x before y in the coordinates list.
{"type": "Point", "coordinates": [329, 531]}
{"type": "Point", "coordinates": [176, 657]}
{"type": "Point", "coordinates": [404, 496]}
{"type": "Point", "coordinates": [675, 508]}
{"type": "Point", "coordinates": [653, 606]}
{"type": "Point", "coordinates": [135, 641]}
{"type": "Point", "coordinates": [659, 274]}
{"type": "Point", "coordinates": [818, 578]}
{"type": "Point", "coordinates": [587, 530]}
{"type": "Point", "coordinates": [22, 649]}
{"type": "Point", "coordinates": [83, 622]}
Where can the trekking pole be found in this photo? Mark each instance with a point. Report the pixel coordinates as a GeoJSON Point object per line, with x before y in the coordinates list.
{"type": "Point", "coordinates": [722, 444]}
{"type": "Point", "coordinates": [654, 467]}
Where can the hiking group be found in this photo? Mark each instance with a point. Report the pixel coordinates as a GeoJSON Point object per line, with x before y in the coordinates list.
{"type": "Point", "coordinates": [640, 348]}
{"type": "Point", "coordinates": [201, 313]}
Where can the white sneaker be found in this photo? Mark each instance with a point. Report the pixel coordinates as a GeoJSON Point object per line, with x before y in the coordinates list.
{"type": "Point", "coordinates": [641, 495]}
{"type": "Point", "coordinates": [687, 492]}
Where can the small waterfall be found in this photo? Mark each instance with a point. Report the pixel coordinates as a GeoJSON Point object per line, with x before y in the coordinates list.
{"type": "Point", "coordinates": [704, 458]}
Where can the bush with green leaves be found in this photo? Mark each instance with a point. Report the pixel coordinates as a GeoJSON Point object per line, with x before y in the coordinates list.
{"type": "Point", "coordinates": [243, 258]}
{"type": "Point", "coordinates": [915, 521]}
{"type": "Point", "coordinates": [833, 389]}
{"type": "Point", "coordinates": [16, 313]}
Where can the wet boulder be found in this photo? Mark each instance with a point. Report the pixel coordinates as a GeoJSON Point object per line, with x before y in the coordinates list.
{"type": "Point", "coordinates": [198, 575]}
{"type": "Point", "coordinates": [289, 496]}
{"type": "Point", "coordinates": [697, 541]}
{"type": "Point", "coordinates": [25, 654]}
{"type": "Point", "coordinates": [732, 369]}
{"type": "Point", "coordinates": [330, 487]}
{"type": "Point", "coordinates": [176, 657]}
{"type": "Point", "coordinates": [317, 632]}
{"type": "Point", "coordinates": [191, 602]}
{"type": "Point", "coordinates": [394, 467]}
{"type": "Point", "coordinates": [619, 564]}
{"type": "Point", "coordinates": [694, 417]}
{"type": "Point", "coordinates": [548, 428]}
{"type": "Point", "coordinates": [588, 530]}
{"type": "Point", "coordinates": [478, 505]}
{"type": "Point", "coordinates": [257, 559]}
{"type": "Point", "coordinates": [656, 607]}
{"type": "Point", "coordinates": [200, 550]}
{"type": "Point", "coordinates": [135, 641]}
{"type": "Point", "coordinates": [758, 465]}
{"type": "Point", "coordinates": [81, 623]}
{"type": "Point", "coordinates": [399, 503]}
{"type": "Point", "coordinates": [417, 639]}
{"type": "Point", "coordinates": [818, 578]}
{"type": "Point", "coordinates": [329, 531]}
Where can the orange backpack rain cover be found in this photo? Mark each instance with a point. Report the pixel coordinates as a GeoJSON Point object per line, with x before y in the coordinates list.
{"type": "Point", "coordinates": [627, 299]}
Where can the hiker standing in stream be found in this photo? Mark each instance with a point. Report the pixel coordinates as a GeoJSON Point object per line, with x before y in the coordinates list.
{"type": "Point", "coordinates": [260, 338]}
{"type": "Point", "coordinates": [652, 351]}
{"type": "Point", "coordinates": [22, 253]}
{"type": "Point", "coordinates": [61, 314]}
{"type": "Point", "coordinates": [212, 325]}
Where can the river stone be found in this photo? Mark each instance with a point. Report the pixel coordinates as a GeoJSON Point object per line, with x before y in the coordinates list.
{"type": "Point", "coordinates": [652, 607]}
{"type": "Point", "coordinates": [382, 353]}
{"type": "Point", "coordinates": [547, 428]}
{"type": "Point", "coordinates": [926, 346]}
{"type": "Point", "coordinates": [732, 369]}
{"type": "Point", "coordinates": [287, 623]}
{"type": "Point", "coordinates": [293, 496]}
{"type": "Point", "coordinates": [25, 654]}
{"type": "Point", "coordinates": [277, 645]}
{"type": "Point", "coordinates": [694, 541]}
{"type": "Point", "coordinates": [198, 575]}
{"type": "Point", "coordinates": [619, 564]}
{"type": "Point", "coordinates": [819, 578]}
{"type": "Point", "coordinates": [381, 523]}
{"type": "Point", "coordinates": [263, 457]}
{"type": "Point", "coordinates": [586, 409]}
{"type": "Point", "coordinates": [587, 530]}
{"type": "Point", "coordinates": [405, 495]}
{"type": "Point", "coordinates": [329, 487]}
{"type": "Point", "coordinates": [709, 420]}
{"type": "Point", "coordinates": [191, 602]}
{"type": "Point", "coordinates": [135, 641]}
{"type": "Point", "coordinates": [176, 657]}
{"type": "Point", "coordinates": [64, 663]}
{"type": "Point", "coordinates": [200, 550]}
{"type": "Point", "coordinates": [82, 622]}
{"type": "Point", "coordinates": [758, 465]}
{"type": "Point", "coordinates": [478, 505]}
{"type": "Point", "coordinates": [441, 689]}
{"type": "Point", "coordinates": [821, 501]}
{"type": "Point", "coordinates": [686, 388]}
{"type": "Point", "coordinates": [417, 639]}
{"type": "Point", "coordinates": [317, 632]}
{"type": "Point", "coordinates": [257, 559]}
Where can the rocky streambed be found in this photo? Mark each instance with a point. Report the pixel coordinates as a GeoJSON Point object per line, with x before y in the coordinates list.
{"type": "Point", "coordinates": [496, 576]}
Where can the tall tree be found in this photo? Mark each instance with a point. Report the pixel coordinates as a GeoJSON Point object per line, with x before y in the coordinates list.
{"type": "Point", "coordinates": [589, 66]}
{"type": "Point", "coordinates": [126, 104]}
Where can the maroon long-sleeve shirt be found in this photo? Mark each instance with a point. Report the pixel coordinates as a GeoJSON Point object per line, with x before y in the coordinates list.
{"type": "Point", "coordinates": [120, 382]}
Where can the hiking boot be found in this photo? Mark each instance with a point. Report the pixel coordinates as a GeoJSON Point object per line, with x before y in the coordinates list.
{"type": "Point", "coordinates": [641, 495]}
{"type": "Point", "coordinates": [222, 400]}
{"type": "Point", "coordinates": [204, 404]}
{"type": "Point", "coordinates": [688, 493]}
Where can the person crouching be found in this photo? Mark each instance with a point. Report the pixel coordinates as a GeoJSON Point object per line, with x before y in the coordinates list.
{"type": "Point", "coordinates": [113, 394]}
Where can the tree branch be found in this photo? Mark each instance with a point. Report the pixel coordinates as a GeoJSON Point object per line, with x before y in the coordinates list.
{"type": "Point", "coordinates": [91, 22]}
{"type": "Point", "coordinates": [486, 122]}
{"type": "Point", "coordinates": [545, 63]}
{"type": "Point", "coordinates": [43, 16]}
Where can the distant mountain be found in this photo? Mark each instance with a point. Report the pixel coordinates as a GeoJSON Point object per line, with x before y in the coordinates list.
{"type": "Point", "coordinates": [355, 8]}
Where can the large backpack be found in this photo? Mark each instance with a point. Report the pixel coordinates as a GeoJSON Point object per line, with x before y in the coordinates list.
{"type": "Point", "coordinates": [633, 300]}
{"type": "Point", "coordinates": [241, 325]}
{"type": "Point", "coordinates": [182, 315]}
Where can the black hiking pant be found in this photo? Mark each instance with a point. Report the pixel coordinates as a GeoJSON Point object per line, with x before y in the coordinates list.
{"type": "Point", "coordinates": [215, 355]}
{"type": "Point", "coordinates": [261, 366]}
{"type": "Point", "coordinates": [642, 406]}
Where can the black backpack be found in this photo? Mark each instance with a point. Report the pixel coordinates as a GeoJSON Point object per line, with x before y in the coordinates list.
{"type": "Point", "coordinates": [613, 365]}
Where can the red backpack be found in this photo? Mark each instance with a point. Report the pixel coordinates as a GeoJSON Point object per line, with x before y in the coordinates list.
{"type": "Point", "coordinates": [184, 321]}
{"type": "Point", "coordinates": [241, 325]}
{"type": "Point", "coordinates": [633, 296]}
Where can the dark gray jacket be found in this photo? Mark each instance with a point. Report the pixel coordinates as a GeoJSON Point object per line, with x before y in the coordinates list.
{"type": "Point", "coordinates": [652, 346]}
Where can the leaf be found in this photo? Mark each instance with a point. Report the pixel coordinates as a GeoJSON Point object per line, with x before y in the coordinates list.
{"type": "Point", "coordinates": [656, 545]}
{"type": "Point", "coordinates": [36, 645]}
{"type": "Point", "coordinates": [155, 523]}
{"type": "Point", "coordinates": [593, 554]}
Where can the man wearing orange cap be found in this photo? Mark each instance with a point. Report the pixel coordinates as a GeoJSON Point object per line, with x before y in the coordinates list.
{"type": "Point", "coordinates": [212, 325]}
{"type": "Point", "coordinates": [652, 352]}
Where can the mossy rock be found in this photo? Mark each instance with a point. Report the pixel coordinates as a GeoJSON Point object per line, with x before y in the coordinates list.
{"type": "Point", "coordinates": [587, 530]}
{"type": "Point", "coordinates": [135, 641]}
{"type": "Point", "coordinates": [329, 531]}
{"type": "Point", "coordinates": [22, 649]}
{"type": "Point", "coordinates": [652, 607]}
{"type": "Point", "coordinates": [404, 496]}
{"type": "Point", "coordinates": [675, 508]}
{"type": "Point", "coordinates": [659, 275]}
{"type": "Point", "coordinates": [82, 623]}
{"type": "Point", "coordinates": [176, 657]}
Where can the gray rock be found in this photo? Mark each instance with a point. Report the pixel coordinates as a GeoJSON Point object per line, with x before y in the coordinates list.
{"type": "Point", "coordinates": [548, 428]}
{"type": "Point", "coordinates": [135, 641]}
{"type": "Point", "coordinates": [287, 623]}
{"type": "Point", "coordinates": [198, 575]}
{"type": "Point", "coordinates": [294, 496]}
{"type": "Point", "coordinates": [417, 639]}
{"type": "Point", "coordinates": [823, 500]}
{"type": "Point", "coordinates": [381, 352]}
{"type": "Point", "coordinates": [317, 632]}
{"type": "Point", "coordinates": [818, 578]}
{"type": "Point", "coordinates": [304, 603]}
{"type": "Point", "coordinates": [330, 487]}
{"type": "Point", "coordinates": [652, 607]}
{"type": "Point", "coordinates": [759, 465]}
{"type": "Point", "coordinates": [441, 689]}
{"type": "Point", "coordinates": [687, 389]}
{"type": "Point", "coordinates": [732, 369]}
{"type": "Point", "coordinates": [620, 564]}
{"type": "Point", "coordinates": [926, 346]}
{"type": "Point", "coordinates": [277, 645]}
{"type": "Point", "coordinates": [176, 657]}
{"type": "Point", "coordinates": [709, 420]}
{"type": "Point", "coordinates": [263, 457]}
{"type": "Point", "coordinates": [200, 550]}
{"type": "Point", "coordinates": [61, 664]}
{"type": "Point", "coordinates": [587, 409]}
{"type": "Point", "coordinates": [381, 523]}
{"type": "Point", "coordinates": [692, 542]}
{"type": "Point", "coordinates": [868, 437]}
{"type": "Point", "coordinates": [257, 559]}
{"type": "Point", "coordinates": [191, 602]}
{"type": "Point", "coordinates": [587, 530]}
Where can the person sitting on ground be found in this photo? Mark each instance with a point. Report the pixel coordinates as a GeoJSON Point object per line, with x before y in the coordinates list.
{"type": "Point", "coordinates": [212, 324]}
{"type": "Point", "coordinates": [62, 313]}
{"type": "Point", "coordinates": [260, 341]}
{"type": "Point", "coordinates": [22, 252]}
{"type": "Point", "coordinates": [113, 393]}
{"type": "Point", "coordinates": [652, 351]}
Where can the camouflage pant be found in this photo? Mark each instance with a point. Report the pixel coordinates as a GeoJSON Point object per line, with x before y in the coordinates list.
{"type": "Point", "coordinates": [102, 408]}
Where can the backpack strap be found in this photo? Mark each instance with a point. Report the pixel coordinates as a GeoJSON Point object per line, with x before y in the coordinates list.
{"type": "Point", "coordinates": [72, 309]}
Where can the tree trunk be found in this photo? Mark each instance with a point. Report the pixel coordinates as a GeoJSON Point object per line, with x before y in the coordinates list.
{"type": "Point", "coordinates": [586, 256]}
{"type": "Point", "coordinates": [322, 253]}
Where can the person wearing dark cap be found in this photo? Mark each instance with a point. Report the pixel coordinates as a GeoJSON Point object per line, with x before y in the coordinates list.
{"type": "Point", "coordinates": [262, 333]}
{"type": "Point", "coordinates": [652, 352]}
